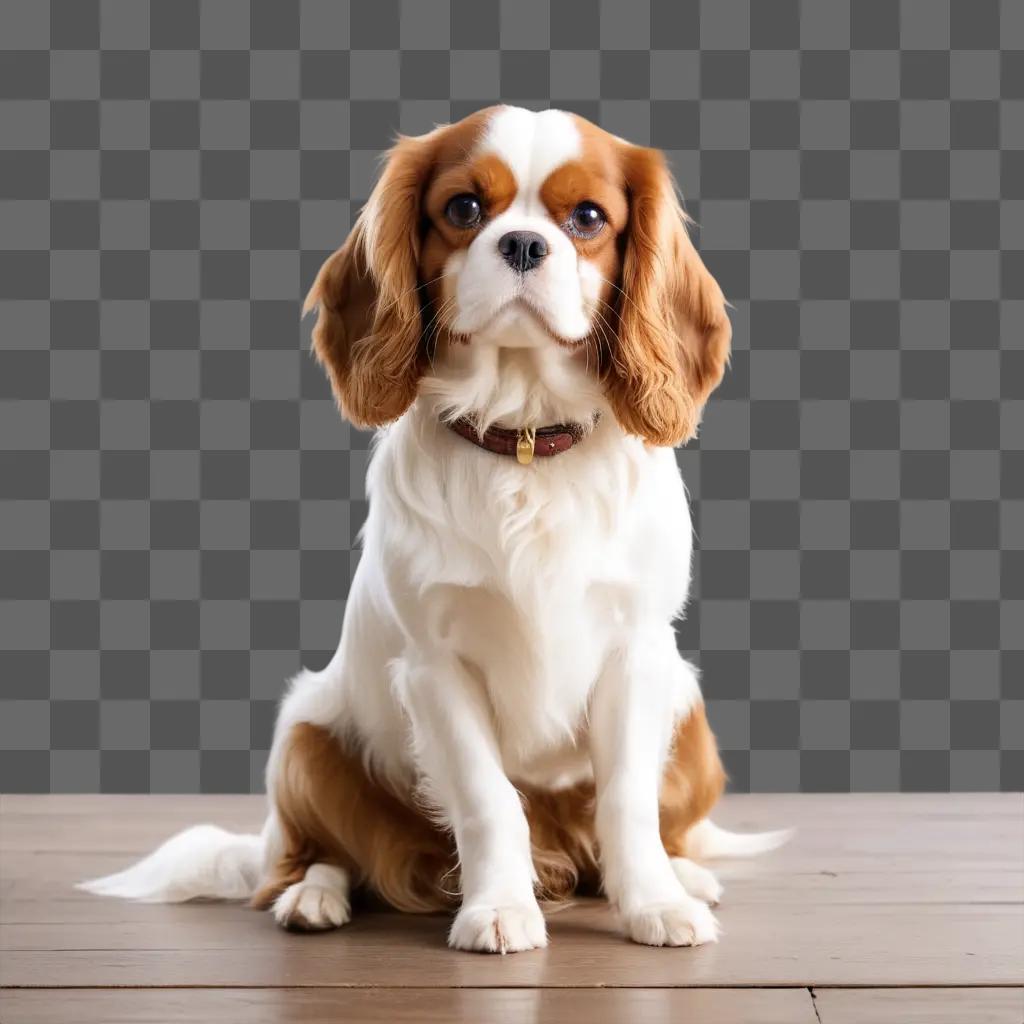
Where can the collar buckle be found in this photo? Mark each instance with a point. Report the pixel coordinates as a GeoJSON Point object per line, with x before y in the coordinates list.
{"type": "Point", "coordinates": [525, 444]}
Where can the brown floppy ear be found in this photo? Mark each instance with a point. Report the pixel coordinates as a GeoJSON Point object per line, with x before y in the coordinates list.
{"type": "Point", "coordinates": [368, 328]}
{"type": "Point", "coordinates": [673, 331]}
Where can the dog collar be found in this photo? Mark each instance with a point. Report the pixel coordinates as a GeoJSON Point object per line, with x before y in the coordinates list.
{"type": "Point", "coordinates": [524, 443]}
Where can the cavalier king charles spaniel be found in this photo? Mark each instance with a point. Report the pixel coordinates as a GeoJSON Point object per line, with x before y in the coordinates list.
{"type": "Point", "coordinates": [520, 311]}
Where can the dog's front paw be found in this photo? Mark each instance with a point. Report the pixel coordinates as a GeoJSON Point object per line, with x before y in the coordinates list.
{"type": "Point", "coordinates": [506, 929]}
{"type": "Point", "coordinates": [318, 902]}
{"type": "Point", "coordinates": [680, 923]}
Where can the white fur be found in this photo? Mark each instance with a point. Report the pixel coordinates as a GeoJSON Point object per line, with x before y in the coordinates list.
{"type": "Point", "coordinates": [560, 291]}
{"type": "Point", "coordinates": [643, 691]}
{"type": "Point", "coordinates": [203, 862]}
{"type": "Point", "coordinates": [697, 880]}
{"type": "Point", "coordinates": [506, 623]}
{"type": "Point", "coordinates": [706, 841]}
{"type": "Point", "coordinates": [318, 902]}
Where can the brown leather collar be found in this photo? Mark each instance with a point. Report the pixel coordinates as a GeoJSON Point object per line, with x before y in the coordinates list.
{"type": "Point", "coordinates": [523, 444]}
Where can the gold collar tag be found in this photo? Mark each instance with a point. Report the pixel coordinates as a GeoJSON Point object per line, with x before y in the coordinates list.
{"type": "Point", "coordinates": [525, 445]}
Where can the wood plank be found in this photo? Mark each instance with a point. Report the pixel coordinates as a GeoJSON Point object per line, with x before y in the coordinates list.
{"type": "Point", "coordinates": [54, 822]}
{"type": "Point", "coordinates": [124, 824]}
{"type": "Point", "coordinates": [850, 847]}
{"type": "Point", "coordinates": [875, 890]}
{"type": "Point", "coordinates": [408, 1006]}
{"type": "Point", "coordinates": [882, 837]}
{"type": "Point", "coordinates": [795, 946]}
{"type": "Point", "coordinates": [920, 1006]}
{"type": "Point", "coordinates": [31, 883]}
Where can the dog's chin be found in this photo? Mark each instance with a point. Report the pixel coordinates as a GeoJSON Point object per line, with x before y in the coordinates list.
{"type": "Point", "coordinates": [519, 323]}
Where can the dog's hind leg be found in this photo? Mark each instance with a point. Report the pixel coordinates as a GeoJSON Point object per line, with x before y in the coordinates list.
{"type": "Point", "coordinates": [697, 880]}
{"type": "Point", "coordinates": [338, 829]}
{"type": "Point", "coordinates": [320, 900]}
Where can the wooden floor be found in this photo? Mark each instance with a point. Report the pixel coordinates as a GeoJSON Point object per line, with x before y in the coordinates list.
{"type": "Point", "coordinates": [884, 909]}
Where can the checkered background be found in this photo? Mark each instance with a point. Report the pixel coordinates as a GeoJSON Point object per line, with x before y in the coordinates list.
{"type": "Point", "coordinates": [179, 500]}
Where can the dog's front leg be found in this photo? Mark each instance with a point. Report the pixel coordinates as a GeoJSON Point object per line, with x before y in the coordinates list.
{"type": "Point", "coordinates": [458, 755]}
{"type": "Point", "coordinates": [638, 700]}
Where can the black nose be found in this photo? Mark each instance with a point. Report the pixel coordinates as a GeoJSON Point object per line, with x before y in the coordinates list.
{"type": "Point", "coordinates": [523, 250]}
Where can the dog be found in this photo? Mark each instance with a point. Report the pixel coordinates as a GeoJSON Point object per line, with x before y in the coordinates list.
{"type": "Point", "coordinates": [520, 311]}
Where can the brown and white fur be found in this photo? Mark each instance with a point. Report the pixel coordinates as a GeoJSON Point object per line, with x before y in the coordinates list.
{"type": "Point", "coordinates": [507, 716]}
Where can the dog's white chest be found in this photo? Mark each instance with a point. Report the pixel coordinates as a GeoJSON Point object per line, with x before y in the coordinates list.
{"type": "Point", "coordinates": [538, 630]}
{"type": "Point", "coordinates": [530, 577]}
{"type": "Point", "coordinates": [538, 662]}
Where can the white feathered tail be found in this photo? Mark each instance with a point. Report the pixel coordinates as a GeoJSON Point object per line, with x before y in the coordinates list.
{"type": "Point", "coordinates": [706, 841]}
{"type": "Point", "coordinates": [203, 862]}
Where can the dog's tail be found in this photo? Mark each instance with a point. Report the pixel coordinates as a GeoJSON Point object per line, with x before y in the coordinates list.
{"type": "Point", "coordinates": [706, 841]}
{"type": "Point", "coordinates": [203, 862]}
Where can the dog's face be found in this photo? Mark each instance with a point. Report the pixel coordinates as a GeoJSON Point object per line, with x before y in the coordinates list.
{"type": "Point", "coordinates": [524, 228]}
{"type": "Point", "coordinates": [522, 238]}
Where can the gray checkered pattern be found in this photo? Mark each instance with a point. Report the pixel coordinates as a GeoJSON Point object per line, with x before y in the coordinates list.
{"type": "Point", "coordinates": [178, 498]}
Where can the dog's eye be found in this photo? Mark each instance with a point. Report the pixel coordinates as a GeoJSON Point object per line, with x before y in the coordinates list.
{"type": "Point", "coordinates": [463, 211]}
{"type": "Point", "coordinates": [586, 220]}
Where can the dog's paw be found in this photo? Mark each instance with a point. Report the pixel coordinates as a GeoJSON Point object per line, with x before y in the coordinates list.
{"type": "Point", "coordinates": [684, 923]}
{"type": "Point", "coordinates": [698, 881]}
{"type": "Point", "coordinates": [318, 902]}
{"type": "Point", "coordinates": [506, 929]}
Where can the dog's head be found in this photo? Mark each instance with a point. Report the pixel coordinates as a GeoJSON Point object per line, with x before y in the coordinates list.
{"type": "Point", "coordinates": [537, 227]}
